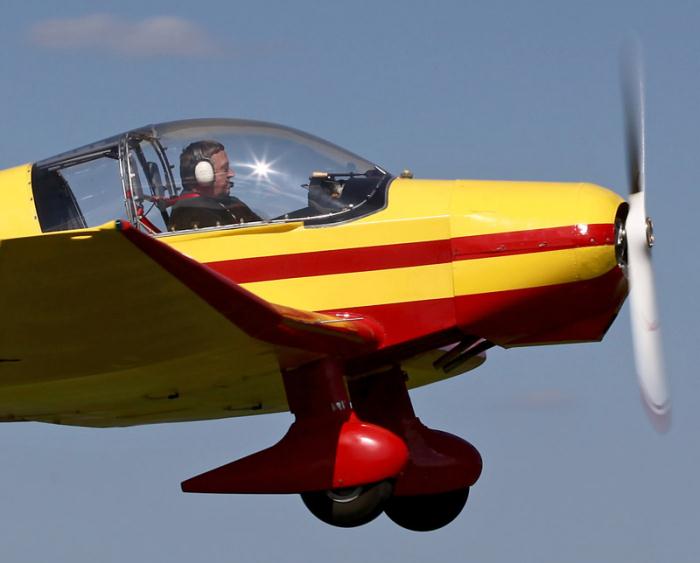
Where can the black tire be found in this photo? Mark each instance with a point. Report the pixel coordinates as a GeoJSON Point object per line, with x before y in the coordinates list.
{"type": "Point", "coordinates": [424, 513]}
{"type": "Point", "coordinates": [347, 508]}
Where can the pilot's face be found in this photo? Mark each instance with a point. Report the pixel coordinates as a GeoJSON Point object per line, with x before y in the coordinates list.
{"type": "Point", "coordinates": [223, 174]}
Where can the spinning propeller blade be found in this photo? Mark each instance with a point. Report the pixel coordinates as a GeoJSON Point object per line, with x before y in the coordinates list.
{"type": "Point", "coordinates": [646, 331]}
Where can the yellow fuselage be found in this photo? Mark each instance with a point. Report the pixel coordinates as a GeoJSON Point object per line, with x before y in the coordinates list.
{"type": "Point", "coordinates": [515, 263]}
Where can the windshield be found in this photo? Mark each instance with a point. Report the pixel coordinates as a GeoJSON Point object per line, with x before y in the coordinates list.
{"type": "Point", "coordinates": [211, 173]}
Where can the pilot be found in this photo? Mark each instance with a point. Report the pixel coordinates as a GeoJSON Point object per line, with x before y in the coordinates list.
{"type": "Point", "coordinates": [206, 179]}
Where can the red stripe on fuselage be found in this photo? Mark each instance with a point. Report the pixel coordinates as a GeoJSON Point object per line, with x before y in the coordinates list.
{"type": "Point", "coordinates": [577, 311]}
{"type": "Point", "coordinates": [346, 260]}
{"type": "Point", "coordinates": [536, 240]}
{"type": "Point", "coordinates": [412, 254]}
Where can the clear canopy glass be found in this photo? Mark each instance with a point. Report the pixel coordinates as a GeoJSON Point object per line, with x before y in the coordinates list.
{"type": "Point", "coordinates": [276, 173]}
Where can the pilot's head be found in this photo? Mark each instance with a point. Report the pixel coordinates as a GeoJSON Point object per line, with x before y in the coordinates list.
{"type": "Point", "coordinates": [205, 168]}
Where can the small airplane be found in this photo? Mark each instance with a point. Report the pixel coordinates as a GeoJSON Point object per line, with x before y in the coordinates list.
{"type": "Point", "coordinates": [320, 284]}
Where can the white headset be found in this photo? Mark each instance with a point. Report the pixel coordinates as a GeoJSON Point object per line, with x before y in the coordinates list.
{"type": "Point", "coordinates": [204, 172]}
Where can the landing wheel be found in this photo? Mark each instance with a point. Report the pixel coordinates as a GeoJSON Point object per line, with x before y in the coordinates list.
{"type": "Point", "coordinates": [349, 507]}
{"type": "Point", "coordinates": [423, 513]}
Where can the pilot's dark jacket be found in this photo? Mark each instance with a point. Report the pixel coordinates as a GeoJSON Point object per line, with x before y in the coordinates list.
{"type": "Point", "coordinates": [196, 211]}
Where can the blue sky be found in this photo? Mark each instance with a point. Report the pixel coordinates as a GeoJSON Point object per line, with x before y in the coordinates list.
{"type": "Point", "coordinates": [502, 90]}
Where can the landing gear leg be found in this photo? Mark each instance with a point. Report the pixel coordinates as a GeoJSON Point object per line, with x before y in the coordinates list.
{"type": "Point", "coordinates": [434, 485]}
{"type": "Point", "coordinates": [342, 466]}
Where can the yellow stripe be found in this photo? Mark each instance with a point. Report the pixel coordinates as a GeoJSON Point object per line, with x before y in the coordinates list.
{"type": "Point", "coordinates": [214, 247]}
{"type": "Point", "coordinates": [595, 261]}
{"type": "Point", "coordinates": [524, 271]}
{"type": "Point", "coordinates": [342, 291]}
{"type": "Point", "coordinates": [401, 285]}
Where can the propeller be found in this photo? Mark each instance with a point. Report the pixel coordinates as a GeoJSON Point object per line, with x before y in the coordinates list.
{"type": "Point", "coordinates": [639, 232]}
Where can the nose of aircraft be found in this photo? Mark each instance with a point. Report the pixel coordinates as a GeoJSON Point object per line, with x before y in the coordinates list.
{"type": "Point", "coordinates": [600, 212]}
{"type": "Point", "coordinates": [535, 262]}
{"type": "Point", "coordinates": [534, 234]}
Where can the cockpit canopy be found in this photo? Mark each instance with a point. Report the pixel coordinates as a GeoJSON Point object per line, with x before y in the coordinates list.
{"type": "Point", "coordinates": [280, 174]}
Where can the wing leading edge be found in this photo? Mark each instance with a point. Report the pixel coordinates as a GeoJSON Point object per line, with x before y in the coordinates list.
{"type": "Point", "coordinates": [275, 324]}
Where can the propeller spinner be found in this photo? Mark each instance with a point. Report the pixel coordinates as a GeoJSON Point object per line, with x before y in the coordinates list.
{"type": "Point", "coordinates": [639, 235]}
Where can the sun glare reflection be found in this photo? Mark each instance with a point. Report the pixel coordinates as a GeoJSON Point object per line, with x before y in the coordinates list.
{"type": "Point", "coordinates": [259, 169]}
{"type": "Point", "coordinates": [262, 169]}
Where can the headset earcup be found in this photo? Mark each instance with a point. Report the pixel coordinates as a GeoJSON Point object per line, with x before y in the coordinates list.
{"type": "Point", "coordinates": [204, 172]}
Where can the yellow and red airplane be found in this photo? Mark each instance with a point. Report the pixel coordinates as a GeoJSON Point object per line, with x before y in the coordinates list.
{"type": "Point", "coordinates": [353, 286]}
